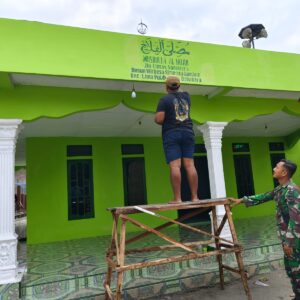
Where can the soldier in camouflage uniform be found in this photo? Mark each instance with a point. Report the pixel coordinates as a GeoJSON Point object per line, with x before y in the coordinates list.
{"type": "Point", "coordinates": [287, 197]}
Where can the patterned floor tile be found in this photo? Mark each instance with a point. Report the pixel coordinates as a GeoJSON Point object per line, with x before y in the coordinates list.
{"type": "Point", "coordinates": [76, 269]}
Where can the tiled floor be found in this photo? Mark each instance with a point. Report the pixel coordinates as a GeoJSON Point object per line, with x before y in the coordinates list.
{"type": "Point", "coordinates": [76, 269]}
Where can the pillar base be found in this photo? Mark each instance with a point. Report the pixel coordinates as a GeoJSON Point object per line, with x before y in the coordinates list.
{"type": "Point", "coordinates": [10, 272]}
{"type": "Point", "coordinates": [12, 275]}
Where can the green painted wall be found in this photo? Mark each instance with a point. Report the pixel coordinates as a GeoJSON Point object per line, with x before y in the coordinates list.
{"type": "Point", "coordinates": [262, 174]}
{"type": "Point", "coordinates": [29, 103]}
{"type": "Point", "coordinates": [44, 49]}
{"type": "Point", "coordinates": [17, 168]}
{"type": "Point", "coordinates": [293, 153]}
{"type": "Point", "coordinates": [38, 48]}
{"type": "Point", "coordinates": [47, 183]}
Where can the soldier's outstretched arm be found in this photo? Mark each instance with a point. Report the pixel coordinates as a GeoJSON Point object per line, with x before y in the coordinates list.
{"type": "Point", "coordinates": [258, 199]}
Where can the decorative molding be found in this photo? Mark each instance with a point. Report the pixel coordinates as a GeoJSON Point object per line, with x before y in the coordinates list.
{"type": "Point", "coordinates": [8, 252]}
{"type": "Point", "coordinates": [12, 275]}
{"type": "Point", "coordinates": [9, 130]}
{"type": "Point", "coordinates": [212, 134]}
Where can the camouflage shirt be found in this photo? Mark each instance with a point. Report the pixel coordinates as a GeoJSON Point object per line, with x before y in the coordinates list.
{"type": "Point", "coordinates": [287, 198]}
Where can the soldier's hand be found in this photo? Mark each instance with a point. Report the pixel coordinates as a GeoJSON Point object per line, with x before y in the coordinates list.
{"type": "Point", "coordinates": [234, 201]}
{"type": "Point", "coordinates": [288, 251]}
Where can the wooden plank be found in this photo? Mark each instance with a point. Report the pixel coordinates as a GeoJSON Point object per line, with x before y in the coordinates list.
{"type": "Point", "coordinates": [238, 254]}
{"type": "Point", "coordinates": [113, 233]}
{"type": "Point", "coordinates": [243, 274]}
{"type": "Point", "coordinates": [108, 292]}
{"type": "Point", "coordinates": [121, 259]}
{"type": "Point", "coordinates": [167, 224]}
{"type": "Point", "coordinates": [230, 223]}
{"type": "Point", "coordinates": [164, 207]}
{"type": "Point", "coordinates": [109, 255]}
{"type": "Point", "coordinates": [221, 225]}
{"type": "Point", "coordinates": [193, 228]}
{"type": "Point", "coordinates": [217, 242]}
{"type": "Point", "coordinates": [111, 263]}
{"type": "Point", "coordinates": [118, 248]}
{"type": "Point", "coordinates": [231, 269]}
{"type": "Point", "coordinates": [158, 233]}
{"type": "Point", "coordinates": [115, 237]}
{"type": "Point", "coordinates": [168, 247]}
{"type": "Point", "coordinates": [175, 259]}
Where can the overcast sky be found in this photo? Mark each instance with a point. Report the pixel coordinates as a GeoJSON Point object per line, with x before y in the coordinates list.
{"type": "Point", "coordinates": [212, 21]}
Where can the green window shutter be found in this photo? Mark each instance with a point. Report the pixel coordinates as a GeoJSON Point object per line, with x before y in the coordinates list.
{"type": "Point", "coordinates": [80, 189]}
{"type": "Point", "coordinates": [244, 175]}
{"type": "Point", "coordinates": [134, 181]}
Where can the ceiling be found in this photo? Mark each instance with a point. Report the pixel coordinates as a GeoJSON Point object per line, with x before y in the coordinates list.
{"type": "Point", "coordinates": [263, 94]}
{"type": "Point", "coordinates": [123, 85]}
{"type": "Point", "coordinates": [122, 121]}
{"type": "Point", "coordinates": [100, 84]}
{"type": "Point", "coordinates": [276, 124]}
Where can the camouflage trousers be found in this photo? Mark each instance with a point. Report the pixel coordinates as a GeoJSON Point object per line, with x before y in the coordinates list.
{"type": "Point", "coordinates": [292, 267]}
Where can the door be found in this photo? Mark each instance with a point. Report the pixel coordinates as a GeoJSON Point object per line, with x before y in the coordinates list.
{"type": "Point", "coordinates": [134, 180]}
{"type": "Point", "coordinates": [243, 175]}
{"type": "Point", "coordinates": [203, 188]}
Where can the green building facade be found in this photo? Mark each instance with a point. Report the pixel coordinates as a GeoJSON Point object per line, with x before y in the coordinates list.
{"type": "Point", "coordinates": [65, 101]}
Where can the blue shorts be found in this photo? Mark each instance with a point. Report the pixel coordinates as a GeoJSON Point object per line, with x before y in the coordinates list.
{"type": "Point", "coordinates": [178, 144]}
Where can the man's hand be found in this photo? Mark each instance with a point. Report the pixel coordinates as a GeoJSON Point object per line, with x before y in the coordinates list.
{"type": "Point", "coordinates": [288, 251]}
{"type": "Point", "coordinates": [234, 201]}
{"type": "Point", "coordinates": [159, 117]}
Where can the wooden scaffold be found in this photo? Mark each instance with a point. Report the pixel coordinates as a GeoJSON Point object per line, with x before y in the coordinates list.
{"type": "Point", "coordinates": [115, 256]}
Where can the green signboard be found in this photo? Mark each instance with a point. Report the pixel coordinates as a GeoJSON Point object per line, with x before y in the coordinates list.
{"type": "Point", "coordinates": [158, 58]}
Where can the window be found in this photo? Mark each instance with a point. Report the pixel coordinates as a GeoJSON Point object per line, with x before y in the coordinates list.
{"type": "Point", "coordinates": [134, 178]}
{"type": "Point", "coordinates": [200, 148]}
{"type": "Point", "coordinates": [132, 149]}
{"type": "Point", "coordinates": [240, 147]}
{"type": "Point", "coordinates": [276, 146]}
{"type": "Point", "coordinates": [243, 169]}
{"type": "Point", "coordinates": [79, 150]}
{"type": "Point", "coordinates": [80, 184]}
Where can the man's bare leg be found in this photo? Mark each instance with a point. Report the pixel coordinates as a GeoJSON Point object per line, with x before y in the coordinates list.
{"type": "Point", "coordinates": [192, 177]}
{"type": "Point", "coordinates": [175, 177]}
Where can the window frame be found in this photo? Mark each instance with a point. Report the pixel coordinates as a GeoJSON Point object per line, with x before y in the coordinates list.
{"type": "Point", "coordinates": [87, 215]}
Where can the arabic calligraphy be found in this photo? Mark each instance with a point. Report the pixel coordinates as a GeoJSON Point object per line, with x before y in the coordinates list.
{"type": "Point", "coordinates": [160, 58]}
{"type": "Point", "coordinates": [164, 47]}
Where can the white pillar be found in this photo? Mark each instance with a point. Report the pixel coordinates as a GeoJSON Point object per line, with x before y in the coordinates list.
{"type": "Point", "coordinates": [212, 136]}
{"type": "Point", "coordinates": [9, 271]}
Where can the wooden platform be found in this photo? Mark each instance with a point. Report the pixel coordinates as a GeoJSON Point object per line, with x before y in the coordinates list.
{"type": "Point", "coordinates": [116, 252]}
